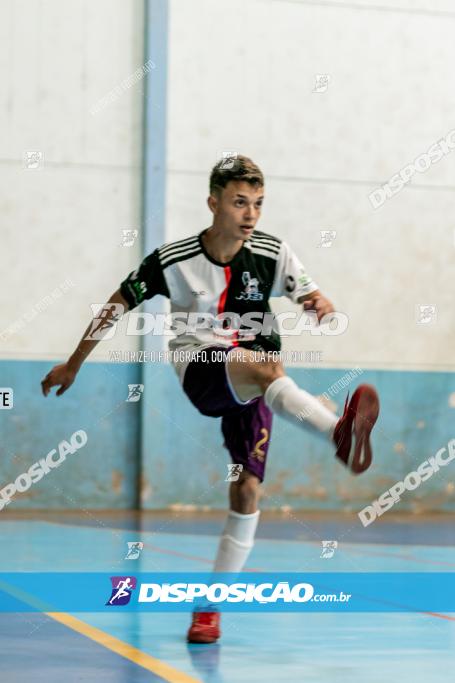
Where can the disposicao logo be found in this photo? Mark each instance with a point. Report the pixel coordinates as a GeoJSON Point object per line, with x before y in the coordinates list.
{"type": "Point", "coordinates": [122, 587]}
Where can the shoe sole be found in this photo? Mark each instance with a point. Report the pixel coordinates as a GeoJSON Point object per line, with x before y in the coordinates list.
{"type": "Point", "coordinates": [366, 413]}
{"type": "Point", "coordinates": [202, 640]}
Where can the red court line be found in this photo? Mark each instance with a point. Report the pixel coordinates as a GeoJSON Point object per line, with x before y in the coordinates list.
{"type": "Point", "coordinates": [408, 558]}
{"type": "Point", "coordinates": [441, 616]}
{"type": "Point", "coordinates": [372, 553]}
{"type": "Point", "coordinates": [176, 553]}
{"type": "Point", "coordinates": [196, 558]}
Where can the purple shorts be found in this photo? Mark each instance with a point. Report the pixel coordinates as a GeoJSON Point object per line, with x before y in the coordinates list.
{"type": "Point", "coordinates": [246, 427]}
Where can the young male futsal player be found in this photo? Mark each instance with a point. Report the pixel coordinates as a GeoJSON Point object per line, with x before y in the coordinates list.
{"type": "Point", "coordinates": [231, 267]}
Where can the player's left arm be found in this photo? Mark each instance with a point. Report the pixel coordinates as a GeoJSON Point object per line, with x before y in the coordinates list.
{"type": "Point", "coordinates": [292, 281]}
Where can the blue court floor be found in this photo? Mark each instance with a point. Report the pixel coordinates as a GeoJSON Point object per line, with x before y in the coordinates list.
{"type": "Point", "coordinates": [268, 648]}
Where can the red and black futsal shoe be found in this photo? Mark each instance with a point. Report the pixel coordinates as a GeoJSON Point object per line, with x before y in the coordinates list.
{"type": "Point", "coordinates": [352, 432]}
{"type": "Point", "coordinates": [205, 627]}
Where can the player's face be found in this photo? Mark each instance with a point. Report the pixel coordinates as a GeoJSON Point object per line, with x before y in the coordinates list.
{"type": "Point", "coordinates": [238, 208]}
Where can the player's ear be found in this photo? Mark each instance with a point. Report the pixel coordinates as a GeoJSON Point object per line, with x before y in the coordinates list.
{"type": "Point", "coordinates": [212, 203]}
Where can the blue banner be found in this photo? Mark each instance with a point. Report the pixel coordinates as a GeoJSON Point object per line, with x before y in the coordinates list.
{"type": "Point", "coordinates": [264, 592]}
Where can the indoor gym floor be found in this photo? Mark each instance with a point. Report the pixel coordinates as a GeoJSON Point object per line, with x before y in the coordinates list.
{"type": "Point", "coordinates": [271, 648]}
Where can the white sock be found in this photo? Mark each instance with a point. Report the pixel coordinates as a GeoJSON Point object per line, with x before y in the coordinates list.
{"type": "Point", "coordinates": [296, 405]}
{"type": "Point", "coordinates": [236, 542]}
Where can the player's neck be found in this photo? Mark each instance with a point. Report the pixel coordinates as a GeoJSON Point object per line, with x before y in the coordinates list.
{"type": "Point", "coordinates": [220, 246]}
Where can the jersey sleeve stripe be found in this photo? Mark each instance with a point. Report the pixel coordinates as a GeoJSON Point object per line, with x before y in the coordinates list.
{"type": "Point", "coordinates": [174, 258]}
{"type": "Point", "coordinates": [258, 235]}
{"type": "Point", "coordinates": [264, 245]}
{"type": "Point", "coordinates": [177, 246]}
{"type": "Point", "coordinates": [261, 240]}
{"type": "Point", "coordinates": [261, 251]}
{"type": "Point", "coordinates": [176, 252]}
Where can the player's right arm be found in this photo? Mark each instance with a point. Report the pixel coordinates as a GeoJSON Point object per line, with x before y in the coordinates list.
{"type": "Point", "coordinates": [143, 283]}
{"type": "Point", "coordinates": [64, 375]}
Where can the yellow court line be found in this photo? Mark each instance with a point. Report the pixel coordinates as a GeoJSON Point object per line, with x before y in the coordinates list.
{"type": "Point", "coordinates": [156, 666]}
{"type": "Point", "coordinates": [168, 673]}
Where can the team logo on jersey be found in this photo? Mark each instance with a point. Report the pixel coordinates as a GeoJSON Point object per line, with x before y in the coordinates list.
{"type": "Point", "coordinates": [290, 283]}
{"type": "Point", "coordinates": [122, 587]}
{"type": "Point", "coordinates": [251, 291]}
{"type": "Point", "coordinates": [140, 288]}
{"type": "Point", "coordinates": [304, 279]}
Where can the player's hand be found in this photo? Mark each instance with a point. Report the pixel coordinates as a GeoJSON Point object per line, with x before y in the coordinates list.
{"type": "Point", "coordinates": [60, 375]}
{"type": "Point", "coordinates": [320, 304]}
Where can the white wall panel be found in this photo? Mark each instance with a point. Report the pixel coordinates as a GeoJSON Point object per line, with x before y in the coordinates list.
{"type": "Point", "coordinates": [389, 99]}
{"type": "Point", "coordinates": [57, 60]}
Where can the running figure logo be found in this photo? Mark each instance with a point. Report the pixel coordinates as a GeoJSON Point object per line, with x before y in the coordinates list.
{"type": "Point", "coordinates": [134, 550]}
{"type": "Point", "coordinates": [327, 238]}
{"type": "Point", "coordinates": [34, 159]}
{"type": "Point", "coordinates": [322, 83]}
{"type": "Point", "coordinates": [234, 471]}
{"type": "Point", "coordinates": [425, 314]}
{"type": "Point", "coordinates": [251, 291]}
{"type": "Point", "coordinates": [134, 392]}
{"type": "Point", "coordinates": [122, 587]}
{"type": "Point", "coordinates": [128, 237]}
{"type": "Point", "coordinates": [328, 549]}
{"type": "Point", "coordinates": [228, 160]}
{"type": "Point", "coordinates": [104, 324]}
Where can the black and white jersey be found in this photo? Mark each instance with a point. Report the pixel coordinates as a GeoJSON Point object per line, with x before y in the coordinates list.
{"type": "Point", "coordinates": [195, 283]}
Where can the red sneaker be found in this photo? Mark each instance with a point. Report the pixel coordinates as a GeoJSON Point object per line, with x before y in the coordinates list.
{"type": "Point", "coordinates": [358, 421]}
{"type": "Point", "coordinates": [205, 627]}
